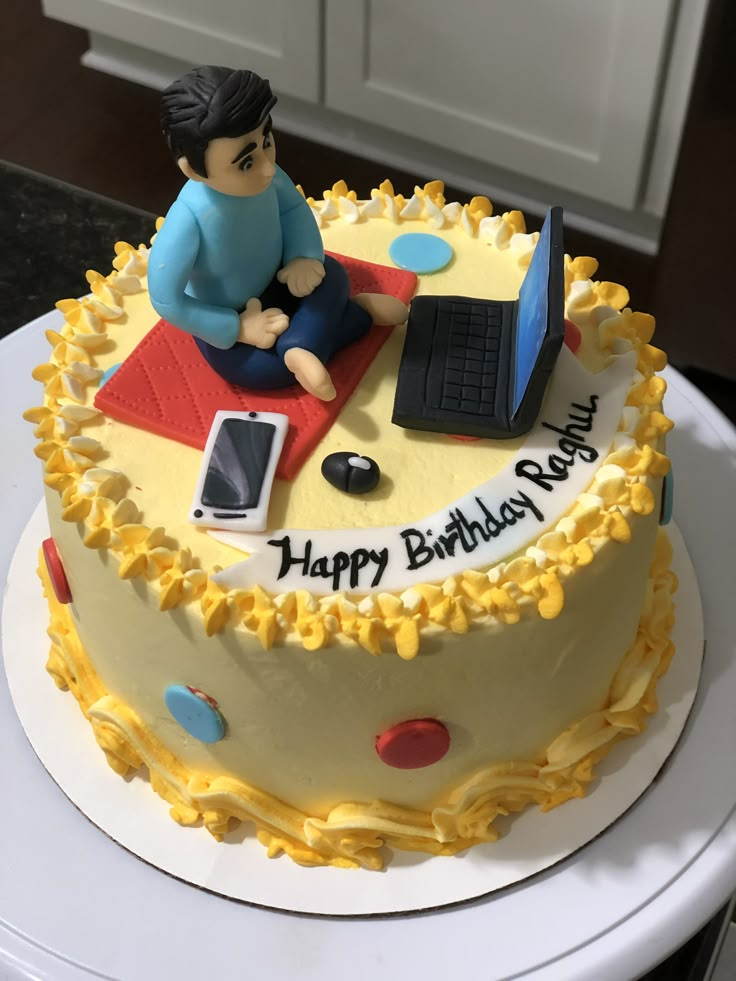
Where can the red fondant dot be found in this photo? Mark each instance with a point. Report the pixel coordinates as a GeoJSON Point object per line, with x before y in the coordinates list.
{"type": "Point", "coordinates": [413, 744]}
{"type": "Point", "coordinates": [573, 337]}
{"type": "Point", "coordinates": [205, 698]}
{"type": "Point", "coordinates": [56, 571]}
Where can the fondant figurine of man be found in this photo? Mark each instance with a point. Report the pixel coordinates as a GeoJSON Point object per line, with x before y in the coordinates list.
{"type": "Point", "coordinates": [239, 261]}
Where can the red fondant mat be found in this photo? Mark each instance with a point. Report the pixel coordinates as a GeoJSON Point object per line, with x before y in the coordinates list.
{"type": "Point", "coordinates": [166, 386]}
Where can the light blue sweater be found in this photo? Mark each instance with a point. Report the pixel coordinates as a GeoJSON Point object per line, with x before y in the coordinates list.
{"type": "Point", "coordinates": [216, 251]}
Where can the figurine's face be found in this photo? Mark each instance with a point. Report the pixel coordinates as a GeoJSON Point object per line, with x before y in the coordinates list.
{"type": "Point", "coordinates": [242, 165]}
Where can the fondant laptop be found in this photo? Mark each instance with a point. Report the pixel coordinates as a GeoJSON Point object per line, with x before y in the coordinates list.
{"type": "Point", "coordinates": [477, 367]}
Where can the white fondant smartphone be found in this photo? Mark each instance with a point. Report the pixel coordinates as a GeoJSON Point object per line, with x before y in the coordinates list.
{"type": "Point", "coordinates": [237, 471]}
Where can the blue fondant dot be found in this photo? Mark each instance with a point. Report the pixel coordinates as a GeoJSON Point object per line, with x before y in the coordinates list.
{"type": "Point", "coordinates": [194, 714]}
{"type": "Point", "coordinates": [668, 498]}
{"type": "Point", "coordinates": [109, 373]}
{"type": "Point", "coordinates": [420, 252]}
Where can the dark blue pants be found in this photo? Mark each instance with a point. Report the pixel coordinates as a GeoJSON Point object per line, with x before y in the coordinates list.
{"type": "Point", "coordinates": [323, 323]}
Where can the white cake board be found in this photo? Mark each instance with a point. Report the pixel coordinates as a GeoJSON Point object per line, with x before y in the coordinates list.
{"type": "Point", "coordinates": [135, 817]}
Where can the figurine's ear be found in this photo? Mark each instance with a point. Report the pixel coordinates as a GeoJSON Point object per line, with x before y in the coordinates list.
{"type": "Point", "coordinates": [186, 169]}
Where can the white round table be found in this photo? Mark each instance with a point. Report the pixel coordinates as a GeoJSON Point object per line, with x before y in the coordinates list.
{"type": "Point", "coordinates": [75, 905]}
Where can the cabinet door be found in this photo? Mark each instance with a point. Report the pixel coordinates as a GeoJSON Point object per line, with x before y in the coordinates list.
{"type": "Point", "coordinates": [279, 39]}
{"type": "Point", "coordinates": [559, 90]}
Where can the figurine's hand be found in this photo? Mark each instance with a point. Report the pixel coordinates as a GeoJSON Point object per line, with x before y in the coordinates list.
{"type": "Point", "coordinates": [302, 276]}
{"type": "Point", "coordinates": [261, 327]}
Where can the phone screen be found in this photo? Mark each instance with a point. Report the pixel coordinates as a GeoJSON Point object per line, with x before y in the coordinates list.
{"type": "Point", "coordinates": [238, 464]}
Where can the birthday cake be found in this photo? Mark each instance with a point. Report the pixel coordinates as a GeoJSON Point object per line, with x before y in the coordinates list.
{"type": "Point", "coordinates": [432, 628]}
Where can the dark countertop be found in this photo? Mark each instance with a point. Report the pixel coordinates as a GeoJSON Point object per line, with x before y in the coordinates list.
{"type": "Point", "coordinates": [55, 232]}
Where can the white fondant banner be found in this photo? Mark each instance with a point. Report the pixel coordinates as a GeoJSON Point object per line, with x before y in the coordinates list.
{"type": "Point", "coordinates": [503, 515]}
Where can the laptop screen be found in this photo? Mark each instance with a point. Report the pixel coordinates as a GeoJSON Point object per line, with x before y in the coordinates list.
{"type": "Point", "coordinates": [533, 311]}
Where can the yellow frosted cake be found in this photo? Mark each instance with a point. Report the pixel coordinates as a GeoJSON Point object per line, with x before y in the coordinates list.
{"type": "Point", "coordinates": [467, 638]}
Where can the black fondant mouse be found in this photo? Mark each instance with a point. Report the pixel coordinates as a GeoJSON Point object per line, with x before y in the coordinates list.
{"type": "Point", "coordinates": [351, 472]}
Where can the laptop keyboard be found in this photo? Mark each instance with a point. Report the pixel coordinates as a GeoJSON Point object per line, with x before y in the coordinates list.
{"type": "Point", "coordinates": [471, 368]}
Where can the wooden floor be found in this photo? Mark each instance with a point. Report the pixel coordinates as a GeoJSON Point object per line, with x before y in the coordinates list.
{"type": "Point", "coordinates": [101, 133]}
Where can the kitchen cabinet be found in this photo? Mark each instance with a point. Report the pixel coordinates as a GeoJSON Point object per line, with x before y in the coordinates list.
{"type": "Point", "coordinates": [280, 39]}
{"type": "Point", "coordinates": [576, 102]}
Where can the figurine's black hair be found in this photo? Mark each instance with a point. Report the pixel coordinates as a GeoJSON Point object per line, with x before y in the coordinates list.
{"type": "Point", "coordinates": [209, 103]}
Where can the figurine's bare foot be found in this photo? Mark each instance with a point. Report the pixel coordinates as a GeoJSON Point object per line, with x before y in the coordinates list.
{"type": "Point", "coordinates": [385, 310]}
{"type": "Point", "coordinates": [310, 373]}
{"type": "Point", "coordinates": [261, 327]}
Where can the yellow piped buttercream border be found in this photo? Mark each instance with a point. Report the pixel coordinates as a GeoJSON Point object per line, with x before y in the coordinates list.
{"type": "Point", "coordinates": [352, 834]}
{"type": "Point", "coordinates": [426, 204]}
{"type": "Point", "coordinates": [532, 584]}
